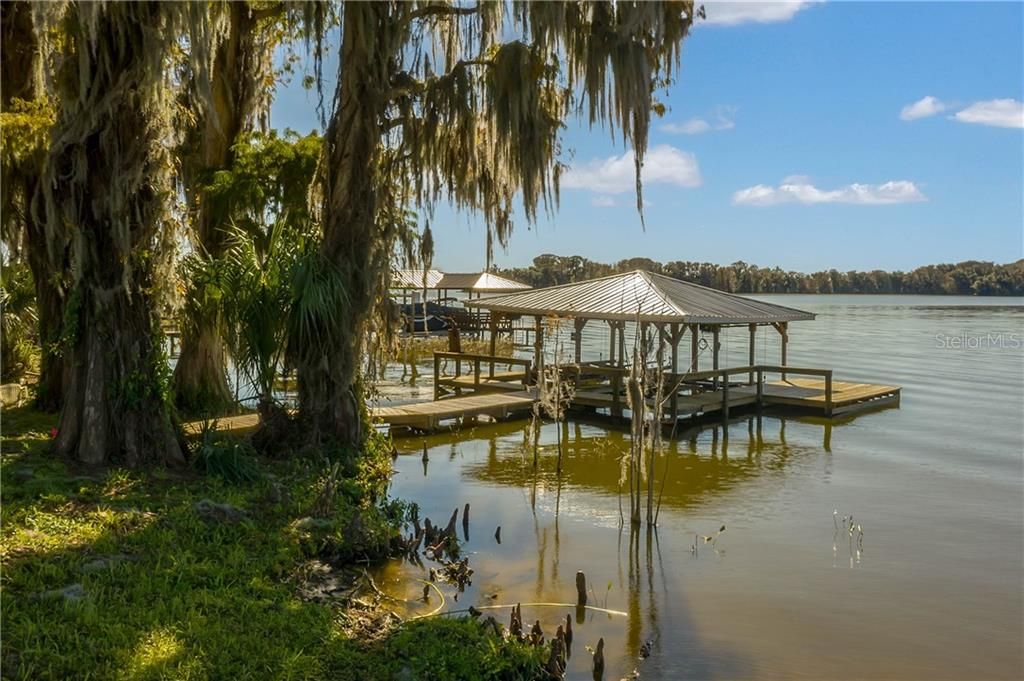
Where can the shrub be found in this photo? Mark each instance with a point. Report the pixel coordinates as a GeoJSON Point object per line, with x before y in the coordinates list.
{"type": "Point", "coordinates": [224, 456]}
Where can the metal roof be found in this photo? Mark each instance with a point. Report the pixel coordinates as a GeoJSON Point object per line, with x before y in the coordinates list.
{"type": "Point", "coordinates": [656, 298]}
{"type": "Point", "coordinates": [480, 282]}
{"type": "Point", "coordinates": [414, 279]}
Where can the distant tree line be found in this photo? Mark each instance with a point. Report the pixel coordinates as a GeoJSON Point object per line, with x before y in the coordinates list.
{"type": "Point", "coordinates": [969, 278]}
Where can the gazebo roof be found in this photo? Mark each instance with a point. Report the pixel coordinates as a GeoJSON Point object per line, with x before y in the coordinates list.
{"type": "Point", "coordinates": [414, 279]}
{"type": "Point", "coordinates": [642, 296]}
{"type": "Point", "coordinates": [479, 282]}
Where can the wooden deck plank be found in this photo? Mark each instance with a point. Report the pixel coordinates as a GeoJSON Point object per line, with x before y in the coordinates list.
{"type": "Point", "coordinates": [428, 414]}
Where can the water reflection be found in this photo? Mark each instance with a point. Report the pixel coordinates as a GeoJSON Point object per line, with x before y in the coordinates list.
{"type": "Point", "coordinates": [555, 525]}
{"type": "Point", "coordinates": [937, 485]}
{"type": "Point", "coordinates": [592, 461]}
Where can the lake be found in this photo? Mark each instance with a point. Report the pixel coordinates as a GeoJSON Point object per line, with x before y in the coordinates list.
{"type": "Point", "coordinates": [933, 589]}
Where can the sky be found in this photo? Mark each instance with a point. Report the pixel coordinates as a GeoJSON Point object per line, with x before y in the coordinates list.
{"type": "Point", "coordinates": [803, 135]}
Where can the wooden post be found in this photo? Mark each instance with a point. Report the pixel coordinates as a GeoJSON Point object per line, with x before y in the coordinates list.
{"type": "Point", "coordinates": [578, 325]}
{"type": "Point", "coordinates": [437, 376]}
{"type": "Point", "coordinates": [714, 353]}
{"type": "Point", "coordinates": [581, 588]}
{"type": "Point", "coordinates": [611, 343]}
{"type": "Point", "coordinates": [784, 331]}
{"type": "Point", "coordinates": [494, 341]}
{"type": "Point", "coordinates": [676, 336]}
{"type": "Point", "coordinates": [828, 394]}
{"type": "Point", "coordinates": [622, 344]}
{"type": "Point", "coordinates": [751, 356]}
{"type": "Point", "coordinates": [725, 398]}
{"type": "Point", "coordinates": [458, 374]}
{"type": "Point", "coordinates": [760, 390]}
{"type": "Point", "coordinates": [538, 340]}
{"type": "Point", "coordinates": [616, 387]}
{"type": "Point", "coordinates": [694, 350]}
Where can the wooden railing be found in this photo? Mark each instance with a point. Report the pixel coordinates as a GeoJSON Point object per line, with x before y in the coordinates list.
{"type": "Point", "coordinates": [757, 371]}
{"type": "Point", "coordinates": [482, 367]}
{"type": "Point", "coordinates": [475, 368]}
{"type": "Point", "coordinates": [719, 379]}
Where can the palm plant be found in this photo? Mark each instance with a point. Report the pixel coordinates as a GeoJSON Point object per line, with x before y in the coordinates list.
{"type": "Point", "coordinates": [17, 306]}
{"type": "Point", "coordinates": [207, 288]}
{"type": "Point", "coordinates": [260, 273]}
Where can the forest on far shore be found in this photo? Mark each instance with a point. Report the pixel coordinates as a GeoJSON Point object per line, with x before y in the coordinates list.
{"type": "Point", "coordinates": [968, 278]}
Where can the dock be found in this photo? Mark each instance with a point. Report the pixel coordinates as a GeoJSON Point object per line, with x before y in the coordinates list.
{"type": "Point", "coordinates": [429, 415]}
{"type": "Point", "coordinates": [810, 396]}
{"type": "Point", "coordinates": [660, 312]}
{"type": "Point", "coordinates": [419, 415]}
{"type": "Point", "coordinates": [477, 390]}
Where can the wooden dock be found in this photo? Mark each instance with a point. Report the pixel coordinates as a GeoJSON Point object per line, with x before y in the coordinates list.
{"type": "Point", "coordinates": [429, 415]}
{"type": "Point", "coordinates": [697, 395]}
{"type": "Point", "coordinates": [419, 415]}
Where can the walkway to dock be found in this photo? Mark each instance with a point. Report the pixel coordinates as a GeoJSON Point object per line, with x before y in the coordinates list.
{"type": "Point", "coordinates": [428, 415]}
{"type": "Point", "coordinates": [420, 415]}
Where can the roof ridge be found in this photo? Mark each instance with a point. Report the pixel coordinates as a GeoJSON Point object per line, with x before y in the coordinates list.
{"type": "Point", "coordinates": [721, 292]}
{"type": "Point", "coordinates": [664, 296]}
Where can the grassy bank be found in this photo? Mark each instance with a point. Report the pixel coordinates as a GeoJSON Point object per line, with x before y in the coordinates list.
{"type": "Point", "coordinates": [210, 575]}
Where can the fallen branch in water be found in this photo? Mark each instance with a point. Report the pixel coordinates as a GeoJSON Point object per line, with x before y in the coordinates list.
{"type": "Point", "coordinates": [537, 605]}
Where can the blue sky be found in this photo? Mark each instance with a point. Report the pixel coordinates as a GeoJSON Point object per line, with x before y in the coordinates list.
{"type": "Point", "coordinates": [804, 135]}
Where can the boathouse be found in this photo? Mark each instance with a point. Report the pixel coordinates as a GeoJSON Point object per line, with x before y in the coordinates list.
{"type": "Point", "coordinates": [682, 316]}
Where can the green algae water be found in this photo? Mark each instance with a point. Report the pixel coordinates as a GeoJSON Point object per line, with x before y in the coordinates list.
{"type": "Point", "coordinates": [933, 589]}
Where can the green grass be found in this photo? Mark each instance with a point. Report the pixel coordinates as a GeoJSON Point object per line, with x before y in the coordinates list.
{"type": "Point", "coordinates": [200, 600]}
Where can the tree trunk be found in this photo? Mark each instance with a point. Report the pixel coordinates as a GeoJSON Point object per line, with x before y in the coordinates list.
{"type": "Point", "coordinates": [330, 399]}
{"type": "Point", "coordinates": [115, 407]}
{"type": "Point", "coordinates": [106, 190]}
{"type": "Point", "coordinates": [50, 311]}
{"type": "Point", "coordinates": [200, 377]}
{"type": "Point", "coordinates": [21, 185]}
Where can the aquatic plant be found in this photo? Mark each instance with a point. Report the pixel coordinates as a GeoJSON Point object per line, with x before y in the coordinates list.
{"type": "Point", "coordinates": [556, 391]}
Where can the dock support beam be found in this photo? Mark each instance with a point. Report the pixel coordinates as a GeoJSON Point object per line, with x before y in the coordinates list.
{"type": "Point", "coordinates": [578, 325]}
{"type": "Point", "coordinates": [611, 342]}
{"type": "Point", "coordinates": [494, 341]}
{"type": "Point", "coordinates": [750, 360]}
{"type": "Point", "coordinates": [694, 350]}
{"type": "Point", "coordinates": [784, 330]}
{"type": "Point", "coordinates": [676, 331]}
{"type": "Point", "coordinates": [538, 342]}
{"type": "Point", "coordinates": [714, 352]}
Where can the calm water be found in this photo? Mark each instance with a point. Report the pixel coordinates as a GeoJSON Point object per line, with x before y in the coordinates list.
{"type": "Point", "coordinates": [935, 593]}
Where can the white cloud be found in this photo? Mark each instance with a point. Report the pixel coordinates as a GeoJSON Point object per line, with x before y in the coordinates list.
{"type": "Point", "coordinates": [694, 126]}
{"type": "Point", "coordinates": [664, 164]}
{"type": "Point", "coordinates": [727, 13]}
{"type": "Point", "coordinates": [923, 108]}
{"type": "Point", "coordinates": [798, 189]}
{"type": "Point", "coordinates": [1002, 113]}
{"type": "Point", "coordinates": [722, 119]}
{"type": "Point", "coordinates": [602, 201]}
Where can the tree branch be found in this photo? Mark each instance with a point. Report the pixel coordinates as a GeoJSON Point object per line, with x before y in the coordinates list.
{"type": "Point", "coordinates": [443, 10]}
{"type": "Point", "coordinates": [272, 11]}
